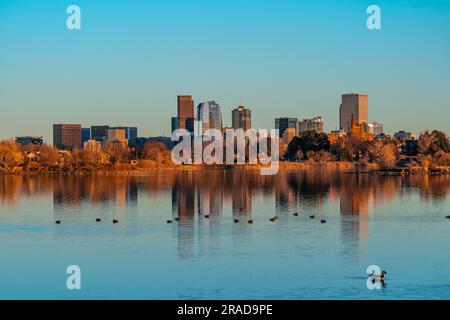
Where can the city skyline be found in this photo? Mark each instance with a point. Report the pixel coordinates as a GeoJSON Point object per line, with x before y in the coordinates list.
{"type": "Point", "coordinates": [353, 107]}
{"type": "Point", "coordinates": [128, 62]}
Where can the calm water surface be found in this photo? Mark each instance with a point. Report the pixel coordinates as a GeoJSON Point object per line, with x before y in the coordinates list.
{"type": "Point", "coordinates": [395, 222]}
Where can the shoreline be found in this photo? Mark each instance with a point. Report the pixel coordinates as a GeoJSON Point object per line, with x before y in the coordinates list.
{"type": "Point", "coordinates": [344, 167]}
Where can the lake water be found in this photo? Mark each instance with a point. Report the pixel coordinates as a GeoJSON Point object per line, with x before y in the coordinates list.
{"type": "Point", "coordinates": [397, 223]}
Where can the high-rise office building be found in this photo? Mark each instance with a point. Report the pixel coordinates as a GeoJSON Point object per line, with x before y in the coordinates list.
{"type": "Point", "coordinates": [209, 114]}
{"type": "Point", "coordinates": [283, 123]}
{"type": "Point", "coordinates": [67, 136]}
{"type": "Point", "coordinates": [353, 104]}
{"type": "Point", "coordinates": [241, 118]}
{"type": "Point", "coordinates": [85, 135]}
{"type": "Point", "coordinates": [314, 124]}
{"type": "Point", "coordinates": [185, 109]}
{"type": "Point", "coordinates": [99, 133]}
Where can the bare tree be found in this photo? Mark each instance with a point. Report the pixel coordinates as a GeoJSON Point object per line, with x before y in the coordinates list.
{"type": "Point", "coordinates": [383, 154]}
{"type": "Point", "coordinates": [48, 156]}
{"type": "Point", "coordinates": [10, 155]}
{"type": "Point", "coordinates": [425, 141]}
{"type": "Point", "coordinates": [156, 151]}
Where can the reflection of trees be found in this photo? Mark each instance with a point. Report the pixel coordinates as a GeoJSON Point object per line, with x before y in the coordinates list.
{"type": "Point", "coordinates": [13, 187]}
{"type": "Point", "coordinates": [74, 190]}
{"type": "Point", "coordinates": [206, 191]}
{"type": "Point", "coordinates": [432, 188]}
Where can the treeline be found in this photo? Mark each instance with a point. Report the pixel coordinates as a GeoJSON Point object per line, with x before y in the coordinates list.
{"type": "Point", "coordinates": [15, 158]}
{"type": "Point", "coordinates": [430, 151]}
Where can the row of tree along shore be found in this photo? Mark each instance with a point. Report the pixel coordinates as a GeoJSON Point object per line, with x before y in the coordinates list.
{"type": "Point", "coordinates": [430, 155]}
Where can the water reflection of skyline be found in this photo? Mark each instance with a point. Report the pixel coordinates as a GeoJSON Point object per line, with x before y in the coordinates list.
{"type": "Point", "coordinates": [213, 197]}
{"type": "Point", "coordinates": [205, 193]}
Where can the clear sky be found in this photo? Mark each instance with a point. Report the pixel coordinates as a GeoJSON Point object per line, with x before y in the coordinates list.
{"type": "Point", "coordinates": [293, 58]}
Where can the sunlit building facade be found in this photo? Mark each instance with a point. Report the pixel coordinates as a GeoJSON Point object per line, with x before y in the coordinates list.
{"type": "Point", "coordinates": [353, 104]}
{"type": "Point", "coordinates": [241, 118]}
{"type": "Point", "coordinates": [67, 136]}
{"type": "Point", "coordinates": [314, 124]}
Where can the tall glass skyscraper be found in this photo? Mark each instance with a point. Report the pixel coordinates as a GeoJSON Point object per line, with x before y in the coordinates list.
{"type": "Point", "coordinates": [209, 114]}
{"type": "Point", "coordinates": [241, 118]}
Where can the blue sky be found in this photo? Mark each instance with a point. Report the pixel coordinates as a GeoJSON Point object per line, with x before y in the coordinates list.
{"type": "Point", "coordinates": [282, 58]}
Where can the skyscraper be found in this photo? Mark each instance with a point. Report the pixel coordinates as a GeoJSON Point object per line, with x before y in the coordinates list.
{"type": "Point", "coordinates": [67, 136]}
{"type": "Point", "coordinates": [353, 104]}
{"type": "Point", "coordinates": [283, 123]}
{"type": "Point", "coordinates": [314, 124]}
{"type": "Point", "coordinates": [241, 118]}
{"type": "Point", "coordinates": [185, 111]}
{"type": "Point", "coordinates": [209, 114]}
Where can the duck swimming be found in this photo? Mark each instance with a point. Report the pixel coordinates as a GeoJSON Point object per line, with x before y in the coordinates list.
{"type": "Point", "coordinates": [58, 221]}
{"type": "Point", "coordinates": [169, 221]}
{"type": "Point", "coordinates": [323, 221]}
{"type": "Point", "coordinates": [250, 221]}
{"type": "Point", "coordinates": [275, 218]}
{"type": "Point", "coordinates": [379, 278]}
{"type": "Point", "coordinates": [115, 221]}
{"type": "Point", "coordinates": [98, 220]}
{"type": "Point", "coordinates": [312, 217]}
{"type": "Point", "coordinates": [296, 214]}
{"type": "Point", "coordinates": [236, 220]}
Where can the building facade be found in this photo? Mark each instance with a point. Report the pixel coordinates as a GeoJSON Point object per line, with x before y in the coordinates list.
{"type": "Point", "coordinates": [27, 140]}
{"type": "Point", "coordinates": [284, 123]}
{"type": "Point", "coordinates": [116, 137]}
{"type": "Point", "coordinates": [374, 128]}
{"type": "Point", "coordinates": [99, 133]}
{"type": "Point", "coordinates": [185, 112]}
{"type": "Point", "coordinates": [241, 118]}
{"type": "Point", "coordinates": [353, 104]}
{"type": "Point", "coordinates": [173, 123]}
{"type": "Point", "coordinates": [314, 124]}
{"type": "Point", "coordinates": [131, 133]}
{"type": "Point", "coordinates": [85, 135]}
{"type": "Point", "coordinates": [67, 136]}
{"type": "Point", "coordinates": [209, 116]}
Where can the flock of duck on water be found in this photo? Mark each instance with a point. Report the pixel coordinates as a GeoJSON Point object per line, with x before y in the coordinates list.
{"type": "Point", "coordinates": [375, 278]}
{"type": "Point", "coordinates": [273, 219]}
